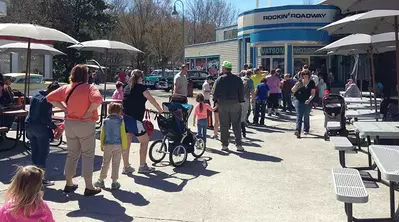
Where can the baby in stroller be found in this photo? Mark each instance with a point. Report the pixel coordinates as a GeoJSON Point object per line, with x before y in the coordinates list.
{"type": "Point", "coordinates": [178, 139]}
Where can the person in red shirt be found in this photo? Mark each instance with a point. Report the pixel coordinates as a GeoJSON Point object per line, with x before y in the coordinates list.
{"type": "Point", "coordinates": [122, 76]}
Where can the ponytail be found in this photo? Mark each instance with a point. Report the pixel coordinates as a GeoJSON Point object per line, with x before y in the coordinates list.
{"type": "Point", "coordinates": [135, 76]}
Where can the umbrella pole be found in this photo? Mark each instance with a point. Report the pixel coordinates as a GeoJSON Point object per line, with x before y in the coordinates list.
{"type": "Point", "coordinates": [397, 52]}
{"type": "Point", "coordinates": [373, 74]}
{"type": "Point", "coordinates": [106, 71]}
{"type": "Point", "coordinates": [26, 74]}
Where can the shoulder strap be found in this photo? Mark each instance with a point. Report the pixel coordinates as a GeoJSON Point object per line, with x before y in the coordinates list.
{"type": "Point", "coordinates": [70, 93]}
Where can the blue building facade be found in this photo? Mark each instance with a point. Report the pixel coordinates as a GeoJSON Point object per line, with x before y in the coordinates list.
{"type": "Point", "coordinates": [285, 37]}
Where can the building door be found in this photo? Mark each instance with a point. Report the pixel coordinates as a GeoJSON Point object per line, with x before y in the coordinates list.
{"type": "Point", "coordinates": [266, 63]}
{"type": "Point", "coordinates": [318, 62]}
{"type": "Point", "coordinates": [278, 63]}
{"type": "Point", "coordinates": [299, 62]}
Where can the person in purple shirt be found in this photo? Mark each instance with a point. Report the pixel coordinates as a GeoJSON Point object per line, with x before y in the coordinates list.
{"type": "Point", "coordinates": [273, 81]}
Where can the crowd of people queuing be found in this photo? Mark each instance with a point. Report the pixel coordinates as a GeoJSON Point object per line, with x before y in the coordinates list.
{"type": "Point", "coordinates": [235, 97]}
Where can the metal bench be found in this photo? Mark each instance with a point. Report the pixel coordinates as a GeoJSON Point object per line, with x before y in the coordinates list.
{"type": "Point", "coordinates": [343, 145]}
{"type": "Point", "coordinates": [332, 129]}
{"type": "Point", "coordinates": [349, 188]}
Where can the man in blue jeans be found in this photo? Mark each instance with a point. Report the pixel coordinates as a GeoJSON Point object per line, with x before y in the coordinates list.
{"type": "Point", "coordinates": [39, 128]}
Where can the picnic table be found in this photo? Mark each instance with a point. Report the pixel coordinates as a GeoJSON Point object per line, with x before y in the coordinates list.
{"type": "Point", "coordinates": [360, 106]}
{"type": "Point", "coordinates": [362, 114]}
{"type": "Point", "coordinates": [364, 94]}
{"type": "Point", "coordinates": [103, 113]}
{"type": "Point", "coordinates": [387, 161]}
{"type": "Point", "coordinates": [357, 100]}
{"type": "Point", "coordinates": [20, 116]}
{"type": "Point", "coordinates": [376, 131]}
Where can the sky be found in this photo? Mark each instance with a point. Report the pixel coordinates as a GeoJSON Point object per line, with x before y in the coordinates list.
{"type": "Point", "coordinates": [244, 5]}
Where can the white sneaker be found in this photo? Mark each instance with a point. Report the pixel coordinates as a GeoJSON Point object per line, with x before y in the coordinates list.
{"type": "Point", "coordinates": [240, 148]}
{"type": "Point", "coordinates": [225, 148]}
{"type": "Point", "coordinates": [128, 170]}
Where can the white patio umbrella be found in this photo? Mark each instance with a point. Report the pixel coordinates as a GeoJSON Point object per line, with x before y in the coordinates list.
{"type": "Point", "coordinates": [363, 43]}
{"type": "Point", "coordinates": [372, 22]}
{"type": "Point", "coordinates": [347, 52]}
{"type": "Point", "coordinates": [33, 32]}
{"type": "Point", "coordinates": [37, 49]}
{"type": "Point", "coordinates": [106, 47]}
{"type": "Point", "coordinates": [347, 6]}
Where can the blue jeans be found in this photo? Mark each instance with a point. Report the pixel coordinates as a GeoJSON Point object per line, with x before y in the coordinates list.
{"type": "Point", "coordinates": [303, 112]}
{"type": "Point", "coordinates": [202, 126]}
{"type": "Point", "coordinates": [39, 138]}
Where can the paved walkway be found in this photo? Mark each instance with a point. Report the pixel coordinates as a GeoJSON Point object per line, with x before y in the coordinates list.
{"type": "Point", "coordinates": [278, 178]}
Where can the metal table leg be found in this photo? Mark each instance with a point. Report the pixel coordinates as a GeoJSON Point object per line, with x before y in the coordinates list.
{"type": "Point", "coordinates": [392, 198]}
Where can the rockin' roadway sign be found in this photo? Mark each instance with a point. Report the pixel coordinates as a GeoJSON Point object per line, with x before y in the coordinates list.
{"type": "Point", "coordinates": [261, 19]}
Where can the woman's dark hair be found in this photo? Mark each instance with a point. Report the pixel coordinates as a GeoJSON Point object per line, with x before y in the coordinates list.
{"type": "Point", "coordinates": [135, 76]}
{"type": "Point", "coordinates": [79, 74]}
{"type": "Point", "coordinates": [305, 72]}
{"type": "Point", "coordinates": [273, 72]}
{"type": "Point", "coordinates": [119, 84]}
{"type": "Point", "coordinates": [200, 99]}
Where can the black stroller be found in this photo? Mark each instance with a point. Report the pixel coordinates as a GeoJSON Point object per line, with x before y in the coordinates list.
{"type": "Point", "coordinates": [178, 139]}
{"type": "Point", "coordinates": [334, 116]}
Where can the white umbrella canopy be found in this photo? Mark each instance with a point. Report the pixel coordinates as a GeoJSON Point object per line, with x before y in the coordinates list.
{"type": "Point", "coordinates": [362, 42]}
{"type": "Point", "coordinates": [37, 32]}
{"type": "Point", "coordinates": [105, 46]}
{"type": "Point", "coordinates": [37, 49]}
{"type": "Point", "coordinates": [347, 52]}
{"type": "Point", "coordinates": [347, 6]}
{"type": "Point", "coordinates": [372, 22]}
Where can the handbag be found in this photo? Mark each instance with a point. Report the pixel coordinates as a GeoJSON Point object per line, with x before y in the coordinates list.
{"type": "Point", "coordinates": [149, 127]}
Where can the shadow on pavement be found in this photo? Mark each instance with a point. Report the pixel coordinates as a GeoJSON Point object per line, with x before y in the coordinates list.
{"type": "Point", "coordinates": [157, 135]}
{"type": "Point", "coordinates": [265, 130]}
{"type": "Point", "coordinates": [96, 207]}
{"type": "Point", "coordinates": [313, 136]}
{"type": "Point", "coordinates": [257, 157]}
{"type": "Point", "coordinates": [55, 164]}
{"type": "Point", "coordinates": [129, 197]}
{"type": "Point", "coordinates": [158, 180]}
{"type": "Point", "coordinates": [217, 151]}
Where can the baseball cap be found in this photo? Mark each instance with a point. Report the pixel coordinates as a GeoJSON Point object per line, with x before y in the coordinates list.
{"type": "Point", "coordinates": [227, 65]}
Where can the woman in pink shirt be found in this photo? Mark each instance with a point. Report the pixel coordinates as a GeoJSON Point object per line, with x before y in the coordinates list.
{"type": "Point", "coordinates": [274, 83]}
{"type": "Point", "coordinates": [80, 101]}
{"type": "Point", "coordinates": [118, 93]}
{"type": "Point", "coordinates": [201, 116]}
{"type": "Point", "coordinates": [24, 198]}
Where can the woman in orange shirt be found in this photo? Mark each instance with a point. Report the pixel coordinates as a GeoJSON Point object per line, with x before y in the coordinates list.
{"type": "Point", "coordinates": [80, 101]}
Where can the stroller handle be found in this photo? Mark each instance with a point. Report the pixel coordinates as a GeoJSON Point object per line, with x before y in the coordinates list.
{"type": "Point", "coordinates": [156, 112]}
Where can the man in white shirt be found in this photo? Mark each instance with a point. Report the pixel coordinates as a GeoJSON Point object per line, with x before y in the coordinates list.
{"type": "Point", "coordinates": [180, 86]}
{"type": "Point", "coordinates": [206, 91]}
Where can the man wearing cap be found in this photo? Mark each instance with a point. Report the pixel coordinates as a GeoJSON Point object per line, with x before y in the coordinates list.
{"type": "Point", "coordinates": [180, 86]}
{"type": "Point", "coordinates": [39, 127]}
{"type": "Point", "coordinates": [229, 92]}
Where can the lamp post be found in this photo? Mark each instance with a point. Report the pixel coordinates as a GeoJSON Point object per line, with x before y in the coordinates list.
{"type": "Point", "coordinates": [176, 13]}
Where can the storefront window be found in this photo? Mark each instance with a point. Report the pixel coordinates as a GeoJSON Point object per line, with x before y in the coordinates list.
{"type": "Point", "coordinates": [5, 63]}
{"type": "Point", "coordinates": [37, 64]}
{"type": "Point", "coordinates": [299, 63]}
{"type": "Point", "coordinates": [213, 65]}
{"type": "Point", "coordinates": [278, 63]}
{"type": "Point", "coordinates": [318, 62]}
{"type": "Point", "coordinates": [266, 63]}
{"type": "Point", "coordinates": [200, 64]}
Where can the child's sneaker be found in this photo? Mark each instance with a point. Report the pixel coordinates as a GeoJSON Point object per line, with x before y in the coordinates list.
{"type": "Point", "coordinates": [146, 169]}
{"type": "Point", "coordinates": [214, 137]}
{"type": "Point", "coordinates": [100, 183]}
{"type": "Point", "coordinates": [128, 170]}
{"type": "Point", "coordinates": [115, 186]}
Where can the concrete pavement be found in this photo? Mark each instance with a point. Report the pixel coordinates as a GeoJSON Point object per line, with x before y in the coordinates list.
{"type": "Point", "coordinates": [278, 178]}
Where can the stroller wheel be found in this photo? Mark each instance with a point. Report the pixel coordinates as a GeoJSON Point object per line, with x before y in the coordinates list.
{"type": "Point", "coordinates": [199, 148]}
{"type": "Point", "coordinates": [157, 151]}
{"type": "Point", "coordinates": [178, 156]}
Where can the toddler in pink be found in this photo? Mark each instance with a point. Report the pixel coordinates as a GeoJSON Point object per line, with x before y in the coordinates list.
{"type": "Point", "coordinates": [24, 198]}
{"type": "Point", "coordinates": [118, 93]}
{"type": "Point", "coordinates": [201, 116]}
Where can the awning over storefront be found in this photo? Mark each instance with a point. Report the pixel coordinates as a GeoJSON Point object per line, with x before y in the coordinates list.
{"type": "Point", "coordinates": [3, 9]}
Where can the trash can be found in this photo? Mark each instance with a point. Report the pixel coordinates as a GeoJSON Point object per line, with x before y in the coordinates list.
{"type": "Point", "coordinates": [190, 88]}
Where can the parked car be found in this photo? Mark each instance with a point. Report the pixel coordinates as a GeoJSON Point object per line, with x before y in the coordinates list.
{"type": "Point", "coordinates": [37, 82]}
{"type": "Point", "coordinates": [166, 81]}
{"type": "Point", "coordinates": [152, 80]}
{"type": "Point", "coordinates": [197, 77]}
